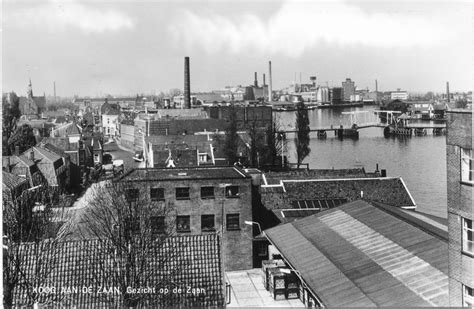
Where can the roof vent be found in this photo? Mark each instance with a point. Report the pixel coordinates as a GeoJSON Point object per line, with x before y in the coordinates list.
{"type": "Point", "coordinates": [182, 174]}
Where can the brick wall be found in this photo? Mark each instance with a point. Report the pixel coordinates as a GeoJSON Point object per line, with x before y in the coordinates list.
{"type": "Point", "coordinates": [459, 135]}
{"type": "Point", "coordinates": [237, 245]}
{"type": "Point", "coordinates": [127, 135]}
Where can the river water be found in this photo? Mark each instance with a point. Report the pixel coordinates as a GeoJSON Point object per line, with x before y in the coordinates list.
{"type": "Point", "coordinates": [419, 160]}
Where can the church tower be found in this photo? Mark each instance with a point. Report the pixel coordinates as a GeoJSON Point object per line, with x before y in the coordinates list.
{"type": "Point", "coordinates": [30, 90]}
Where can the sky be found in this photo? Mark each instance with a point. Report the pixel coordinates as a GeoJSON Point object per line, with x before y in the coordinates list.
{"type": "Point", "coordinates": [120, 47]}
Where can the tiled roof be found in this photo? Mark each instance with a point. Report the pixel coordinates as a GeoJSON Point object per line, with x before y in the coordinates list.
{"type": "Point", "coordinates": [211, 97]}
{"type": "Point", "coordinates": [47, 162]}
{"type": "Point", "coordinates": [165, 174]}
{"type": "Point", "coordinates": [190, 140]}
{"type": "Point", "coordinates": [73, 129]}
{"type": "Point", "coordinates": [54, 149]}
{"type": "Point", "coordinates": [358, 255]}
{"type": "Point", "coordinates": [76, 264]}
{"type": "Point", "coordinates": [110, 109]}
{"type": "Point", "coordinates": [59, 142]}
{"type": "Point", "coordinates": [12, 181]}
{"type": "Point", "coordinates": [275, 177]}
{"type": "Point", "coordinates": [390, 191]}
{"type": "Point", "coordinates": [40, 102]}
{"type": "Point", "coordinates": [181, 157]}
{"type": "Point", "coordinates": [46, 153]}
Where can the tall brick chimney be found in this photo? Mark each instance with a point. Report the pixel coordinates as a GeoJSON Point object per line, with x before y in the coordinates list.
{"type": "Point", "coordinates": [269, 81]}
{"type": "Point", "coordinates": [255, 83]}
{"type": "Point", "coordinates": [187, 84]}
{"type": "Point", "coordinates": [447, 90]}
{"type": "Point", "coordinates": [264, 79]}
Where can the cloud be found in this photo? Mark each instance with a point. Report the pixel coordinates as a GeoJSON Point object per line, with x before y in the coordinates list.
{"type": "Point", "coordinates": [300, 25]}
{"type": "Point", "coordinates": [61, 15]}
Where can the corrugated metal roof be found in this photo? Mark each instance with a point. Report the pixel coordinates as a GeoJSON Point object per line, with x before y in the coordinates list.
{"type": "Point", "coordinates": [360, 255]}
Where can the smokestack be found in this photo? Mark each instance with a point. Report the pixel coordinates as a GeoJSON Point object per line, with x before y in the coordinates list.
{"type": "Point", "coordinates": [187, 84]}
{"type": "Point", "coordinates": [447, 90]}
{"type": "Point", "coordinates": [54, 85]}
{"type": "Point", "coordinates": [255, 83]}
{"type": "Point", "coordinates": [269, 81]}
{"type": "Point", "coordinates": [376, 86]}
{"type": "Point", "coordinates": [264, 79]}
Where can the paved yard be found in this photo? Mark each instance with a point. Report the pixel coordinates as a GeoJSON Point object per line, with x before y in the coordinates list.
{"type": "Point", "coordinates": [248, 291]}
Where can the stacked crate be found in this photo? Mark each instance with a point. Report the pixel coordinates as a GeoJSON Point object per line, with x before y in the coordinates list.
{"type": "Point", "coordinates": [266, 266]}
{"type": "Point", "coordinates": [292, 286]}
{"type": "Point", "coordinates": [277, 284]}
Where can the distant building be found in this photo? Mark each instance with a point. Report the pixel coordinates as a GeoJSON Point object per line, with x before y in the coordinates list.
{"type": "Point", "coordinates": [206, 201]}
{"type": "Point", "coordinates": [110, 122]}
{"type": "Point", "coordinates": [421, 110]}
{"type": "Point", "coordinates": [374, 96]}
{"type": "Point", "coordinates": [178, 102]}
{"type": "Point", "coordinates": [336, 95]}
{"type": "Point", "coordinates": [127, 133]}
{"type": "Point", "coordinates": [460, 181]}
{"type": "Point", "coordinates": [322, 95]}
{"type": "Point", "coordinates": [72, 131]}
{"type": "Point", "coordinates": [356, 98]}
{"type": "Point", "coordinates": [31, 105]}
{"type": "Point", "coordinates": [348, 89]}
{"type": "Point", "coordinates": [399, 95]}
{"type": "Point", "coordinates": [182, 150]}
{"type": "Point", "coordinates": [246, 116]}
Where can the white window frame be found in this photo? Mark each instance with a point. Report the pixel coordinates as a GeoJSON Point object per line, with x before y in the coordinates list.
{"type": "Point", "coordinates": [467, 166]}
{"type": "Point", "coordinates": [467, 296]}
{"type": "Point", "coordinates": [467, 233]}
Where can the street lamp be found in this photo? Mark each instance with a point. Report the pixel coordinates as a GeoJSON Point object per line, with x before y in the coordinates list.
{"type": "Point", "coordinates": [252, 223]}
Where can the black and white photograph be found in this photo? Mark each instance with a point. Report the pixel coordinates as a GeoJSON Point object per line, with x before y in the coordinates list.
{"type": "Point", "coordinates": [225, 153]}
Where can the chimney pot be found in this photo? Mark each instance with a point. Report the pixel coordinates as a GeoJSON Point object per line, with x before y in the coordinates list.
{"type": "Point", "coordinates": [32, 155]}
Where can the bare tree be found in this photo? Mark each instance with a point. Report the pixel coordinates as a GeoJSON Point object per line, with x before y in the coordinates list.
{"type": "Point", "coordinates": [34, 226]}
{"type": "Point", "coordinates": [132, 225]}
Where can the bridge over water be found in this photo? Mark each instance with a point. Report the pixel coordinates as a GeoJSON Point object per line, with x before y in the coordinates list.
{"type": "Point", "coordinates": [367, 119]}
